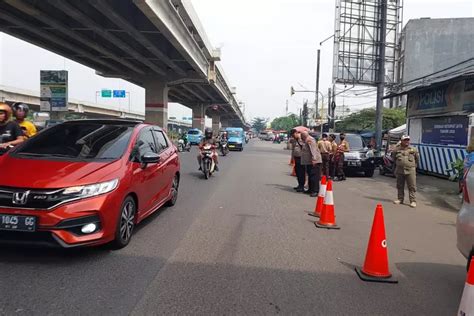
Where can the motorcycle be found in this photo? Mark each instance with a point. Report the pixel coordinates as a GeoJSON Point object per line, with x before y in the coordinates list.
{"type": "Point", "coordinates": [387, 166]}
{"type": "Point", "coordinates": [182, 147]}
{"type": "Point", "coordinates": [224, 147]}
{"type": "Point", "coordinates": [207, 163]}
{"type": "Point", "coordinates": [4, 150]}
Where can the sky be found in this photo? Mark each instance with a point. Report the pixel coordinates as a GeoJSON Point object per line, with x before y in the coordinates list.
{"type": "Point", "coordinates": [267, 47]}
{"type": "Point", "coordinates": [270, 45]}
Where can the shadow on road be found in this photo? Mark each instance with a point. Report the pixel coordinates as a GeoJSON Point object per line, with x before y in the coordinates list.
{"type": "Point", "coordinates": [282, 187]}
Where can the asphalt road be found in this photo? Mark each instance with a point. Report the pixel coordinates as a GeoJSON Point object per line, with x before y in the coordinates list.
{"type": "Point", "coordinates": [241, 243]}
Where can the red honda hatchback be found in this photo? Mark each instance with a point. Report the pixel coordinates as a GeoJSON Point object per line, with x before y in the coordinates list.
{"type": "Point", "coordinates": [86, 182]}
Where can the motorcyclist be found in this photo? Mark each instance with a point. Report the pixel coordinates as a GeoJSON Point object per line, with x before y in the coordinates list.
{"type": "Point", "coordinates": [20, 111]}
{"type": "Point", "coordinates": [208, 140]}
{"type": "Point", "coordinates": [184, 137]}
{"type": "Point", "coordinates": [10, 132]}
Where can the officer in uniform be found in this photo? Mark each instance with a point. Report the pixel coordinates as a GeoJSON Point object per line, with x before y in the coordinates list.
{"type": "Point", "coordinates": [406, 159]}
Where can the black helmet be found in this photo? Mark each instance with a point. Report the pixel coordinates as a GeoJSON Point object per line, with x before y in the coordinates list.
{"type": "Point", "coordinates": [21, 106]}
{"type": "Point", "coordinates": [208, 133]}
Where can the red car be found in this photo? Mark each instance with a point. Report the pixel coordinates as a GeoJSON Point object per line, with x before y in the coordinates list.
{"type": "Point", "coordinates": [87, 182]}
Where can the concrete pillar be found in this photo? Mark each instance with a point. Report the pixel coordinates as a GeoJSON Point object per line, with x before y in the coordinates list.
{"type": "Point", "coordinates": [216, 124]}
{"type": "Point", "coordinates": [199, 117]}
{"type": "Point", "coordinates": [156, 103]}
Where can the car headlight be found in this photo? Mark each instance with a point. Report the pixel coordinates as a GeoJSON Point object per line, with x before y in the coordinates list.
{"type": "Point", "coordinates": [90, 190]}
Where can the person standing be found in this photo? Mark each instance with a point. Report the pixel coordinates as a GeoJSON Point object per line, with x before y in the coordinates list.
{"type": "Point", "coordinates": [311, 160]}
{"type": "Point", "coordinates": [325, 147]}
{"type": "Point", "coordinates": [296, 147]}
{"type": "Point", "coordinates": [332, 154]}
{"type": "Point", "coordinates": [342, 148]}
{"type": "Point", "coordinates": [406, 159]}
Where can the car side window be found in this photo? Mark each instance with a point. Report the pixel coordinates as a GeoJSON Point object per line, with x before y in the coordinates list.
{"type": "Point", "coordinates": [145, 144]}
{"type": "Point", "coordinates": [161, 141]}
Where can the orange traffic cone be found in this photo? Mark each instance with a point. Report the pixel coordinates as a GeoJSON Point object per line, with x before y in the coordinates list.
{"type": "Point", "coordinates": [328, 219]}
{"type": "Point", "coordinates": [320, 200]}
{"type": "Point", "coordinates": [467, 301]}
{"type": "Point", "coordinates": [376, 260]}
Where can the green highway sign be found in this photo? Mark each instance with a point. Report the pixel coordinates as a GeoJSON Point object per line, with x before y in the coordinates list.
{"type": "Point", "coordinates": [105, 93]}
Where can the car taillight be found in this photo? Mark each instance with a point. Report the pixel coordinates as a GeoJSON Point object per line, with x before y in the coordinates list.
{"type": "Point", "coordinates": [465, 191]}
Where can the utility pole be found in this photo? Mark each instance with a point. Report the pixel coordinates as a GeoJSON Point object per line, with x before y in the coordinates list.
{"type": "Point", "coordinates": [305, 113]}
{"type": "Point", "coordinates": [329, 107]}
{"type": "Point", "coordinates": [381, 73]}
{"type": "Point", "coordinates": [316, 92]}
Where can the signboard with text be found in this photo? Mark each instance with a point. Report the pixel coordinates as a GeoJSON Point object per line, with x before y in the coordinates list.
{"type": "Point", "coordinates": [53, 90]}
{"type": "Point", "coordinates": [119, 93]}
{"type": "Point", "coordinates": [445, 130]}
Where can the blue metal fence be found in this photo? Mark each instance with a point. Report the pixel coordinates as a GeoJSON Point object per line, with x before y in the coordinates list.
{"type": "Point", "coordinates": [436, 158]}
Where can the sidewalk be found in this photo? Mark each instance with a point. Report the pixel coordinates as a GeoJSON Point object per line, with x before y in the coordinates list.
{"type": "Point", "coordinates": [441, 192]}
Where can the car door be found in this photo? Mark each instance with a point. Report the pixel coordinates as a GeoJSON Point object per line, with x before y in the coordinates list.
{"type": "Point", "coordinates": [146, 178]}
{"type": "Point", "coordinates": [168, 160]}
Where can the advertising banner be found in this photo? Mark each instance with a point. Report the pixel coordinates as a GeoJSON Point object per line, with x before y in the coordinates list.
{"type": "Point", "coordinates": [53, 90]}
{"type": "Point", "coordinates": [445, 130]}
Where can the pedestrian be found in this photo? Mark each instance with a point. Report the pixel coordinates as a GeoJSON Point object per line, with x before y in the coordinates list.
{"type": "Point", "coordinates": [332, 154]}
{"type": "Point", "coordinates": [311, 160]}
{"type": "Point", "coordinates": [342, 148]}
{"type": "Point", "coordinates": [296, 147]}
{"type": "Point", "coordinates": [325, 147]}
{"type": "Point", "coordinates": [406, 159]}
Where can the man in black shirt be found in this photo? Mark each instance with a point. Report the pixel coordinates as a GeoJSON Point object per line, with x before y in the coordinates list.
{"type": "Point", "coordinates": [10, 132]}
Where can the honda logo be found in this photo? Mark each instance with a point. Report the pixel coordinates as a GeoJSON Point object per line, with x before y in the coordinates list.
{"type": "Point", "coordinates": [20, 198]}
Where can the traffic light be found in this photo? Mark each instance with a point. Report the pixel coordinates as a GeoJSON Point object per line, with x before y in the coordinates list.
{"type": "Point", "coordinates": [292, 91]}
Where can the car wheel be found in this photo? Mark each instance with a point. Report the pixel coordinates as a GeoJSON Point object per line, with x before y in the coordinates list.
{"type": "Point", "coordinates": [126, 223]}
{"type": "Point", "coordinates": [174, 191]}
{"type": "Point", "coordinates": [369, 173]}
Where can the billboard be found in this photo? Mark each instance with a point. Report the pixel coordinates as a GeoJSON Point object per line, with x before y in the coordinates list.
{"type": "Point", "coordinates": [54, 90]}
{"type": "Point", "coordinates": [445, 130]}
{"type": "Point", "coordinates": [357, 41]}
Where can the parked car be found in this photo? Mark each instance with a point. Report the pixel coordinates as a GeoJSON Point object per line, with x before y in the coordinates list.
{"type": "Point", "coordinates": [356, 160]}
{"type": "Point", "coordinates": [465, 219]}
{"type": "Point", "coordinates": [195, 136]}
{"type": "Point", "coordinates": [88, 182]}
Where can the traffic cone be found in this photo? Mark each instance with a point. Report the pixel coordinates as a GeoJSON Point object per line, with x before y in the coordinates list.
{"type": "Point", "coordinates": [292, 161]}
{"type": "Point", "coordinates": [320, 200]}
{"type": "Point", "coordinates": [376, 260]}
{"type": "Point", "coordinates": [466, 307]}
{"type": "Point", "coordinates": [327, 218]}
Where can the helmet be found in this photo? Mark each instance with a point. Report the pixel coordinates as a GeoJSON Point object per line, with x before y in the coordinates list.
{"type": "Point", "coordinates": [7, 110]}
{"type": "Point", "coordinates": [21, 106]}
{"type": "Point", "coordinates": [208, 133]}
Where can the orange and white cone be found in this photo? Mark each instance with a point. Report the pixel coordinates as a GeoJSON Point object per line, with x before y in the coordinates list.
{"type": "Point", "coordinates": [328, 218]}
{"type": "Point", "coordinates": [466, 307]}
{"type": "Point", "coordinates": [320, 200]}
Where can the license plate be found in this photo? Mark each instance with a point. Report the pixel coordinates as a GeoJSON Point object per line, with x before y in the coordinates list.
{"type": "Point", "coordinates": [17, 223]}
{"type": "Point", "coordinates": [352, 163]}
{"type": "Point", "coordinates": [231, 146]}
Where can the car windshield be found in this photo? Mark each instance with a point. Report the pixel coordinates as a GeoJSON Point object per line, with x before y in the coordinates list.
{"type": "Point", "coordinates": [193, 133]}
{"type": "Point", "coordinates": [80, 141]}
{"type": "Point", "coordinates": [234, 134]}
{"type": "Point", "coordinates": [355, 142]}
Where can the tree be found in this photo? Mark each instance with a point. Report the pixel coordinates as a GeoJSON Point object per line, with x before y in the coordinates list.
{"type": "Point", "coordinates": [285, 122]}
{"type": "Point", "coordinates": [364, 120]}
{"type": "Point", "coordinates": [259, 123]}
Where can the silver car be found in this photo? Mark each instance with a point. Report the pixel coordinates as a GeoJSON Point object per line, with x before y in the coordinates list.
{"type": "Point", "coordinates": [465, 221]}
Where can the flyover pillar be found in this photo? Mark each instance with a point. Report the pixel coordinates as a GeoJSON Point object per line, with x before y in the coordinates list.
{"type": "Point", "coordinates": [199, 117]}
{"type": "Point", "coordinates": [216, 124]}
{"type": "Point", "coordinates": [156, 103]}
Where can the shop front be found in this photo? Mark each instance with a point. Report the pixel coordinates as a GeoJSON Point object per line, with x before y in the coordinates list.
{"type": "Point", "coordinates": [439, 123]}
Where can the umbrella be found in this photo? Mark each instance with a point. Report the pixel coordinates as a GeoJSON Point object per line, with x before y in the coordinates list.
{"type": "Point", "coordinates": [301, 129]}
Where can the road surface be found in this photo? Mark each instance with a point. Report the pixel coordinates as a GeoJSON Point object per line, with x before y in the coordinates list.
{"type": "Point", "coordinates": [241, 243]}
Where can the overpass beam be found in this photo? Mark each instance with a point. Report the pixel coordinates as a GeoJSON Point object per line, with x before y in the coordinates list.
{"type": "Point", "coordinates": [199, 117]}
{"type": "Point", "coordinates": [156, 103]}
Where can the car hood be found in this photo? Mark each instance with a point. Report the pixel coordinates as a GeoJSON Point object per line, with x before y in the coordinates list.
{"type": "Point", "coordinates": [235, 139]}
{"type": "Point", "coordinates": [43, 174]}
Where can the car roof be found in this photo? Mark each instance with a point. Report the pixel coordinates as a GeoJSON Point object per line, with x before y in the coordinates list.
{"type": "Point", "coordinates": [123, 122]}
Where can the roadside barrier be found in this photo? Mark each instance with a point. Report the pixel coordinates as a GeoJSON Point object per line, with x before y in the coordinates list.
{"type": "Point", "coordinates": [320, 199]}
{"type": "Point", "coordinates": [375, 267]}
{"type": "Point", "coordinates": [328, 218]}
{"type": "Point", "coordinates": [466, 307]}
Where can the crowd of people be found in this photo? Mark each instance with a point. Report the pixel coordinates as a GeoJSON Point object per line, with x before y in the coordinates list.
{"type": "Point", "coordinates": [314, 159]}
{"type": "Point", "coordinates": [14, 126]}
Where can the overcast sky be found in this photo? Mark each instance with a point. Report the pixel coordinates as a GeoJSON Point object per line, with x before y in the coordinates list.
{"type": "Point", "coordinates": [270, 45]}
{"type": "Point", "coordinates": [267, 46]}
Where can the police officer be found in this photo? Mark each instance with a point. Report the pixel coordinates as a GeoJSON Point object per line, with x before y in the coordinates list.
{"type": "Point", "coordinates": [406, 159]}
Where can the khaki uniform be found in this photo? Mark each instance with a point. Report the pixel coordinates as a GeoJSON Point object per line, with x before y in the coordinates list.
{"type": "Point", "coordinates": [406, 159]}
{"type": "Point", "coordinates": [325, 147]}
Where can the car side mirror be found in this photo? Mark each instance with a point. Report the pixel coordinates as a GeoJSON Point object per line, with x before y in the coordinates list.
{"type": "Point", "coordinates": [150, 157]}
